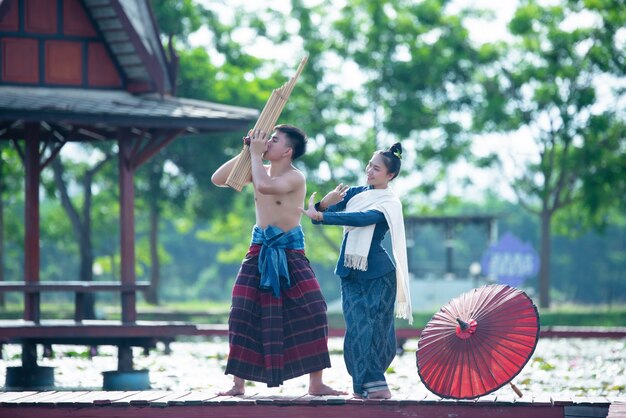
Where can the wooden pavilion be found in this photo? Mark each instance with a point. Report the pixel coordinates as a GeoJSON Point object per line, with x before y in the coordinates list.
{"type": "Point", "coordinates": [90, 70]}
{"type": "Point", "coordinates": [449, 226]}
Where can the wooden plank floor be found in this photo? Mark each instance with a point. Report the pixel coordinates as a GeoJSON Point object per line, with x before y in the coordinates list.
{"type": "Point", "coordinates": [618, 409]}
{"type": "Point", "coordinates": [197, 404]}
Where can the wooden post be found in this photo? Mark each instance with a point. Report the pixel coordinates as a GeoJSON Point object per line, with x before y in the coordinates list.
{"type": "Point", "coordinates": [31, 219]}
{"type": "Point", "coordinates": [124, 358]}
{"type": "Point", "coordinates": [29, 355]}
{"type": "Point", "coordinates": [79, 306]}
{"type": "Point", "coordinates": [127, 224]}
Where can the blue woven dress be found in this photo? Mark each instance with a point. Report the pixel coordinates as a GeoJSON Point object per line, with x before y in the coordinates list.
{"type": "Point", "coordinates": [368, 299]}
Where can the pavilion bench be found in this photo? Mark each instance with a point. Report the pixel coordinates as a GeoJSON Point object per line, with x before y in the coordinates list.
{"type": "Point", "coordinates": [32, 330]}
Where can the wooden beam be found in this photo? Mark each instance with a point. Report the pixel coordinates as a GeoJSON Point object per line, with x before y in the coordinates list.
{"type": "Point", "coordinates": [9, 126]}
{"type": "Point", "coordinates": [19, 149]}
{"type": "Point", "coordinates": [55, 148]}
{"type": "Point", "coordinates": [4, 127]}
{"type": "Point", "coordinates": [204, 124]}
{"type": "Point", "coordinates": [92, 133]}
{"type": "Point", "coordinates": [127, 224]}
{"type": "Point", "coordinates": [137, 145]}
{"type": "Point", "coordinates": [71, 286]}
{"type": "Point", "coordinates": [155, 146]}
{"type": "Point", "coordinates": [31, 219]}
{"type": "Point", "coordinates": [91, 331]}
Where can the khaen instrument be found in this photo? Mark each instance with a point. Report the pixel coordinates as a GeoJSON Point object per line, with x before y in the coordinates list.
{"type": "Point", "coordinates": [242, 170]}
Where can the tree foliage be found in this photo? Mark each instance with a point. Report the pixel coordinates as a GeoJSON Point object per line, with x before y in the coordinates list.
{"type": "Point", "coordinates": [547, 81]}
{"type": "Point", "coordinates": [419, 66]}
{"type": "Point", "coordinates": [378, 72]}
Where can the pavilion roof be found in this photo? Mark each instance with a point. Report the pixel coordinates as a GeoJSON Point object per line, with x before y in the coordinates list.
{"type": "Point", "coordinates": [130, 30]}
{"type": "Point", "coordinates": [111, 109]}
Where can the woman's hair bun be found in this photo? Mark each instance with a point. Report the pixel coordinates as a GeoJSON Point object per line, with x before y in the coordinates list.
{"type": "Point", "coordinates": [392, 158]}
{"type": "Point", "coordinates": [396, 149]}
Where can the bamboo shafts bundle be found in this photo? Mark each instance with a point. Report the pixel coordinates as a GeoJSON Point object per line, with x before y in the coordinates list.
{"type": "Point", "coordinates": [242, 169]}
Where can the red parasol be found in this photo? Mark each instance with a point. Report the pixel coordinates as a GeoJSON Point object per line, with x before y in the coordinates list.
{"type": "Point", "coordinates": [478, 342]}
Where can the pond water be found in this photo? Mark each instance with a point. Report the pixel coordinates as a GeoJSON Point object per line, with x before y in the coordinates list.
{"type": "Point", "coordinates": [559, 366]}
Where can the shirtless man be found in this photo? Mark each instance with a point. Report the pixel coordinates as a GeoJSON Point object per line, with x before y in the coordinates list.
{"type": "Point", "coordinates": [276, 285]}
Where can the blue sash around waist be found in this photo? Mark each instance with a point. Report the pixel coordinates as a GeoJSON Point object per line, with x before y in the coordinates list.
{"type": "Point", "coordinates": [272, 258]}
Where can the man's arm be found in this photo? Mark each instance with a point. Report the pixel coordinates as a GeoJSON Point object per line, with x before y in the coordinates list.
{"type": "Point", "coordinates": [265, 184]}
{"type": "Point", "coordinates": [262, 181]}
{"type": "Point", "coordinates": [221, 174]}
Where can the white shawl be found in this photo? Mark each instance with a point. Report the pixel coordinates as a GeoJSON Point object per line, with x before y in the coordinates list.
{"type": "Point", "coordinates": [359, 241]}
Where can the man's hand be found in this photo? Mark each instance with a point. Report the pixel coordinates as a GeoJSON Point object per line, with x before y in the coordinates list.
{"type": "Point", "coordinates": [258, 142]}
{"type": "Point", "coordinates": [334, 196]}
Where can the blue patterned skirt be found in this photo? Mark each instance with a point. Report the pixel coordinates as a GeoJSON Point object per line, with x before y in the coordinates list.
{"type": "Point", "coordinates": [370, 342]}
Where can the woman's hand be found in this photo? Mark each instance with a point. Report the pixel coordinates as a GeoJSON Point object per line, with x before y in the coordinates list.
{"type": "Point", "coordinates": [334, 196]}
{"type": "Point", "coordinates": [311, 212]}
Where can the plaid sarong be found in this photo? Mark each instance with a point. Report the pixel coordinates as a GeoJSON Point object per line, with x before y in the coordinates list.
{"type": "Point", "coordinates": [275, 339]}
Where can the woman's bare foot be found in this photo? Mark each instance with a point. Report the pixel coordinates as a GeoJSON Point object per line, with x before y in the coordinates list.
{"type": "Point", "coordinates": [379, 394]}
{"type": "Point", "coordinates": [239, 388]}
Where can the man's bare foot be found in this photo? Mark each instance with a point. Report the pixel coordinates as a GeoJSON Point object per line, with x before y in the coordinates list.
{"type": "Point", "coordinates": [318, 388]}
{"type": "Point", "coordinates": [379, 394]}
{"type": "Point", "coordinates": [324, 390]}
{"type": "Point", "coordinates": [234, 391]}
{"type": "Point", "coordinates": [239, 388]}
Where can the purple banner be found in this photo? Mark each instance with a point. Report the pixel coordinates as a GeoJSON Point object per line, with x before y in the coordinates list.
{"type": "Point", "coordinates": [510, 261]}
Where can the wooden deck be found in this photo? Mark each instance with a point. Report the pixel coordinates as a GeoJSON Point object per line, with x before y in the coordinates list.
{"type": "Point", "coordinates": [163, 404]}
{"type": "Point", "coordinates": [111, 332]}
{"type": "Point", "coordinates": [90, 332]}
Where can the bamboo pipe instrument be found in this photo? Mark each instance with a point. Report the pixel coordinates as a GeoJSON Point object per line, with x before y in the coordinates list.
{"type": "Point", "coordinates": [242, 170]}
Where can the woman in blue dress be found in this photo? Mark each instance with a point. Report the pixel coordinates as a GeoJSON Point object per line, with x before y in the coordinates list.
{"type": "Point", "coordinates": [371, 284]}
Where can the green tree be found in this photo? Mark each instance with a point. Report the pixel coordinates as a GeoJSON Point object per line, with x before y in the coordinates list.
{"type": "Point", "coordinates": [79, 212]}
{"type": "Point", "coordinates": [546, 82]}
{"type": "Point", "coordinates": [409, 88]}
{"type": "Point", "coordinates": [178, 18]}
{"type": "Point", "coordinates": [416, 63]}
{"type": "Point", "coordinates": [235, 81]}
{"type": "Point", "coordinates": [320, 105]}
{"type": "Point", "coordinates": [419, 65]}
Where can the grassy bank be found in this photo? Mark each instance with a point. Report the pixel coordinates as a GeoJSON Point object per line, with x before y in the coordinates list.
{"type": "Point", "coordinates": [569, 316]}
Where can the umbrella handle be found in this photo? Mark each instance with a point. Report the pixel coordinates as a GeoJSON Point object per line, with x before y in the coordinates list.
{"type": "Point", "coordinates": [516, 390]}
{"type": "Point", "coordinates": [464, 325]}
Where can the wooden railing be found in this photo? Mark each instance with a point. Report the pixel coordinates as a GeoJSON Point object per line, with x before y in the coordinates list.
{"type": "Point", "coordinates": [33, 330]}
{"type": "Point", "coordinates": [80, 288]}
